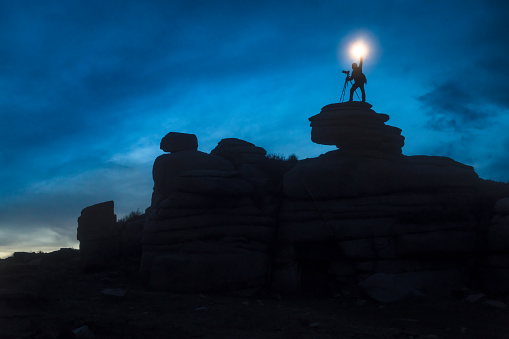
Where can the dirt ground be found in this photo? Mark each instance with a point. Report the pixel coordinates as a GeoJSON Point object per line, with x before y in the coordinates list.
{"type": "Point", "coordinates": [47, 296]}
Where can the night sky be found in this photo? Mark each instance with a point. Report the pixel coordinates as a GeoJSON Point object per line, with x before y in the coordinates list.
{"type": "Point", "coordinates": [89, 88]}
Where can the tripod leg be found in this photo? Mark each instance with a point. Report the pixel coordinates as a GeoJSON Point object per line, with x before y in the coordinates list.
{"type": "Point", "coordinates": [358, 97]}
{"type": "Point", "coordinates": [343, 92]}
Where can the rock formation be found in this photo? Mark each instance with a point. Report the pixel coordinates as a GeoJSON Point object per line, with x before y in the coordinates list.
{"type": "Point", "coordinates": [208, 228]}
{"type": "Point", "coordinates": [99, 237]}
{"type": "Point", "coordinates": [363, 215]}
{"type": "Point", "coordinates": [354, 126]}
{"type": "Point", "coordinates": [176, 142]}
{"type": "Point", "coordinates": [366, 209]}
{"type": "Point", "coordinates": [495, 270]}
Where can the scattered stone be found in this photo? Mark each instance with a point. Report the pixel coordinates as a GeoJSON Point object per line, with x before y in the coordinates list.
{"type": "Point", "coordinates": [495, 303]}
{"type": "Point", "coordinates": [83, 332]}
{"type": "Point", "coordinates": [473, 298]}
{"type": "Point", "coordinates": [360, 302]}
{"type": "Point", "coordinates": [113, 292]}
{"type": "Point", "coordinates": [387, 288]}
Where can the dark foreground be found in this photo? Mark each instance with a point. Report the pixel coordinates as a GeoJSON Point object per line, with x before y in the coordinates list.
{"type": "Point", "coordinates": [47, 296]}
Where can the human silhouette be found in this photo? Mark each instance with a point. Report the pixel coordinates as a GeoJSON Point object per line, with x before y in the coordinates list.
{"type": "Point", "coordinates": [359, 80]}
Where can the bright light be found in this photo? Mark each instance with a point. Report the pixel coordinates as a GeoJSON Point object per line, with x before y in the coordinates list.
{"type": "Point", "coordinates": [358, 49]}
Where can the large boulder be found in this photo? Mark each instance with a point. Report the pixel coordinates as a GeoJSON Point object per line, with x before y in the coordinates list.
{"type": "Point", "coordinates": [355, 126]}
{"type": "Point", "coordinates": [239, 151]}
{"type": "Point", "coordinates": [209, 226]}
{"type": "Point", "coordinates": [99, 237]}
{"type": "Point", "coordinates": [336, 175]}
{"type": "Point", "coordinates": [176, 142]}
{"type": "Point", "coordinates": [168, 168]}
{"type": "Point", "coordinates": [375, 211]}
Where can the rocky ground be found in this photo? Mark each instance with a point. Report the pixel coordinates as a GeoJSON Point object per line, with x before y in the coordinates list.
{"type": "Point", "coordinates": [48, 296]}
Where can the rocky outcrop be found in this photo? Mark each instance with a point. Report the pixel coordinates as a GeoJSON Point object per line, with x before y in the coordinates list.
{"type": "Point", "coordinates": [239, 152]}
{"type": "Point", "coordinates": [354, 126]}
{"type": "Point", "coordinates": [99, 237]}
{"type": "Point", "coordinates": [176, 142]}
{"type": "Point", "coordinates": [365, 209]}
{"type": "Point", "coordinates": [377, 215]}
{"type": "Point", "coordinates": [206, 230]}
{"type": "Point", "coordinates": [362, 216]}
{"type": "Point", "coordinates": [494, 273]}
{"type": "Point", "coordinates": [106, 242]}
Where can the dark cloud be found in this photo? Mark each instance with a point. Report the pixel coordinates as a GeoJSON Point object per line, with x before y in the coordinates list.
{"type": "Point", "coordinates": [82, 82]}
{"type": "Point", "coordinates": [472, 96]}
{"type": "Point", "coordinates": [496, 166]}
{"type": "Point", "coordinates": [451, 106]}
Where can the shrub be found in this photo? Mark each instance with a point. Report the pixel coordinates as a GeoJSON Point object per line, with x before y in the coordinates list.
{"type": "Point", "coordinates": [133, 216]}
{"type": "Point", "coordinates": [281, 157]}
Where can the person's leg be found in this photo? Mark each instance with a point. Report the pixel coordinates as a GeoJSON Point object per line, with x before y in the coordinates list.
{"type": "Point", "coordinates": [363, 93]}
{"type": "Point", "coordinates": [352, 90]}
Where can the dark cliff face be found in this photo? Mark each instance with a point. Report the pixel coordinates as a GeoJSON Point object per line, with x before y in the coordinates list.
{"type": "Point", "coordinates": [235, 220]}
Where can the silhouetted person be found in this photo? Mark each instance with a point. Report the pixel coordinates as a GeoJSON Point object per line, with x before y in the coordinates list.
{"type": "Point", "coordinates": [359, 80]}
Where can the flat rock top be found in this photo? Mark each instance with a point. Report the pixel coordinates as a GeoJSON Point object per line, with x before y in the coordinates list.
{"type": "Point", "coordinates": [349, 105]}
{"type": "Point", "coordinates": [351, 110]}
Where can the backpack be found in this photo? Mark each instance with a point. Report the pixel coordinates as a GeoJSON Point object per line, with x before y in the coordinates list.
{"type": "Point", "coordinates": [363, 79]}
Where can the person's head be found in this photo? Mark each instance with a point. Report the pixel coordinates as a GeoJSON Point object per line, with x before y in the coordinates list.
{"type": "Point", "coordinates": [354, 65]}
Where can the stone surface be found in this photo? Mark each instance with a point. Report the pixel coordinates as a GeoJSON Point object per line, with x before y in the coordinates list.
{"type": "Point", "coordinates": [176, 142]}
{"type": "Point", "coordinates": [99, 236]}
{"type": "Point", "coordinates": [195, 272]}
{"type": "Point", "coordinates": [355, 126]}
{"type": "Point", "coordinates": [238, 151]}
{"type": "Point", "coordinates": [387, 288]}
{"type": "Point", "coordinates": [334, 175]}
{"type": "Point", "coordinates": [212, 220]}
{"type": "Point", "coordinates": [502, 206]}
{"type": "Point", "coordinates": [168, 168]}
{"type": "Point", "coordinates": [386, 213]}
{"type": "Point", "coordinates": [237, 220]}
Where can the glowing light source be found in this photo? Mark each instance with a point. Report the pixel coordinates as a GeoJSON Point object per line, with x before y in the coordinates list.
{"type": "Point", "coordinates": [358, 49]}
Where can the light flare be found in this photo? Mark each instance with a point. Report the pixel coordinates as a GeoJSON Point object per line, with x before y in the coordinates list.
{"type": "Point", "coordinates": [358, 49]}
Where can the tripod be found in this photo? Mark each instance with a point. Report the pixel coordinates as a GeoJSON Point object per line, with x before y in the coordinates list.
{"type": "Point", "coordinates": [342, 99]}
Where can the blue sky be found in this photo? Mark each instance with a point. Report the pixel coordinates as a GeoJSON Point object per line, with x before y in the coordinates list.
{"type": "Point", "coordinates": [88, 89]}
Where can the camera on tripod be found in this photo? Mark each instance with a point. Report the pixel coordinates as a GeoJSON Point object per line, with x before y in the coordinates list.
{"type": "Point", "coordinates": [346, 72]}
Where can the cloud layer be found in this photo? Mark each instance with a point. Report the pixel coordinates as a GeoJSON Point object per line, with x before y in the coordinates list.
{"type": "Point", "coordinates": [89, 88]}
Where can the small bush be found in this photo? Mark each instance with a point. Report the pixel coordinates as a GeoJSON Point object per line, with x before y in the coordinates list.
{"type": "Point", "coordinates": [281, 157]}
{"type": "Point", "coordinates": [133, 216]}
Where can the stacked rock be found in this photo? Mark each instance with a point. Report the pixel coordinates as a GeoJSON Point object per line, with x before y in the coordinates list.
{"type": "Point", "coordinates": [239, 152]}
{"type": "Point", "coordinates": [495, 273]}
{"type": "Point", "coordinates": [262, 173]}
{"type": "Point", "coordinates": [352, 213]}
{"type": "Point", "coordinates": [203, 231]}
{"type": "Point", "coordinates": [356, 127]}
{"type": "Point", "coordinates": [99, 237]}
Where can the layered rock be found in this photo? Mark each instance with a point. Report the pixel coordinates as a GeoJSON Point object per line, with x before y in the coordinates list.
{"type": "Point", "coordinates": [99, 237]}
{"type": "Point", "coordinates": [494, 273]}
{"type": "Point", "coordinates": [235, 220]}
{"type": "Point", "coordinates": [354, 126]}
{"type": "Point", "coordinates": [176, 142]}
{"type": "Point", "coordinates": [205, 230]}
{"type": "Point", "coordinates": [366, 209]}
